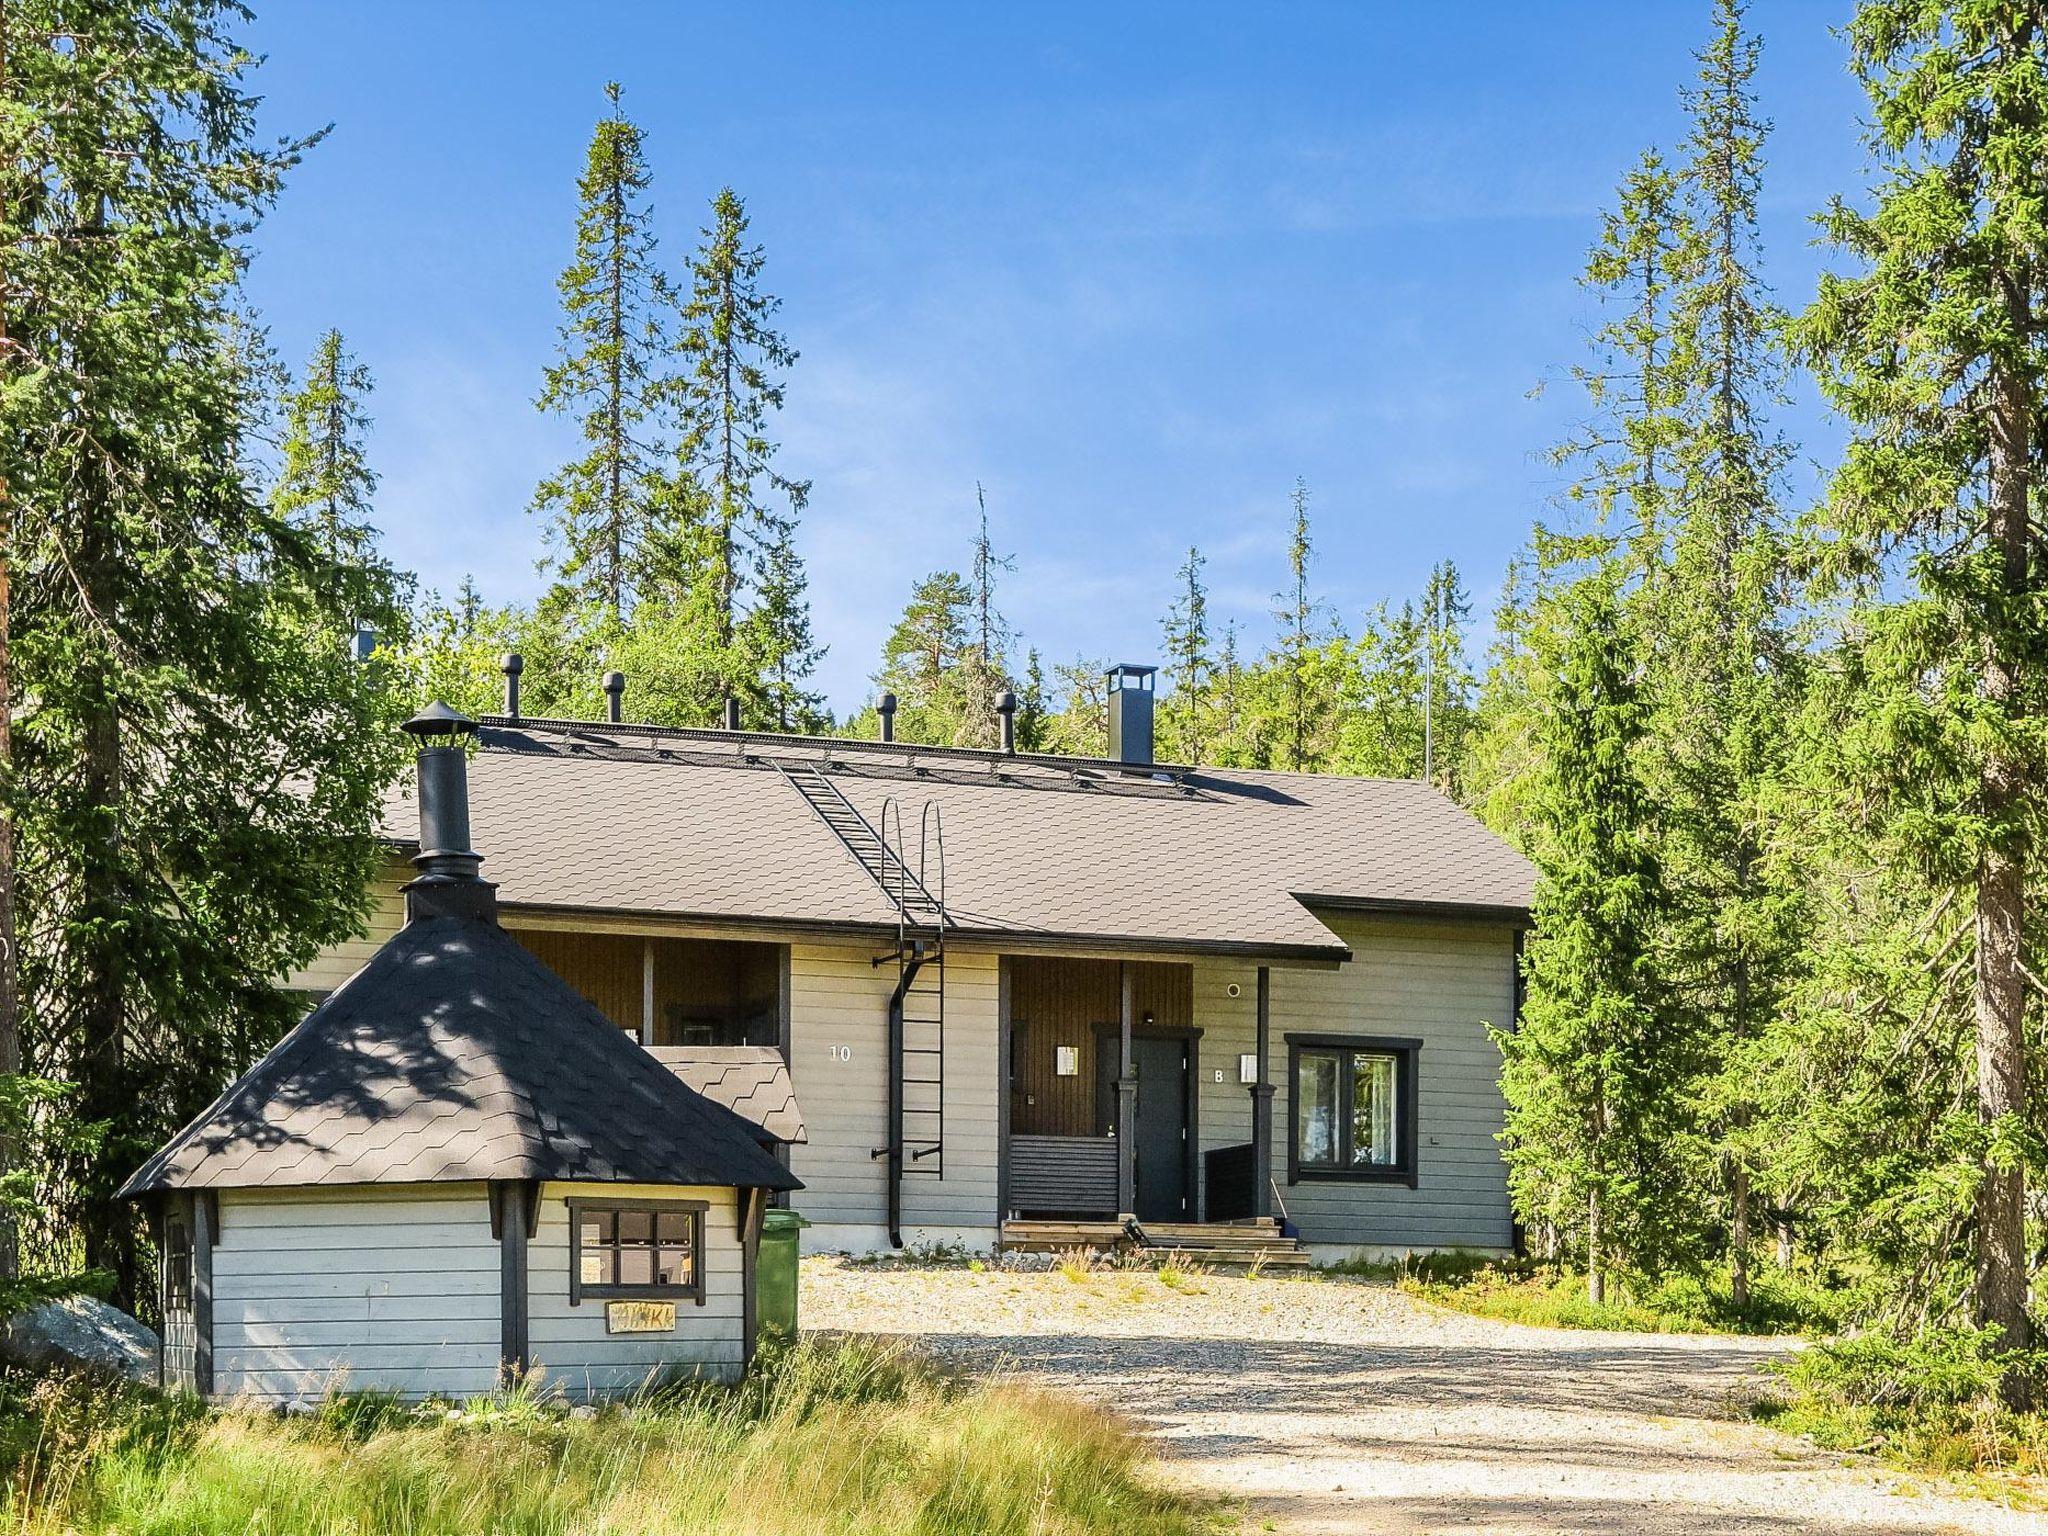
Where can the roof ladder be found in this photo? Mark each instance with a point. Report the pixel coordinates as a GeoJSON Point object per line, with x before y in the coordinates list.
{"type": "Point", "coordinates": [916, 1123]}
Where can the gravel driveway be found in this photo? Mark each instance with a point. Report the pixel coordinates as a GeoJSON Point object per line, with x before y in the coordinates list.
{"type": "Point", "coordinates": [1339, 1407]}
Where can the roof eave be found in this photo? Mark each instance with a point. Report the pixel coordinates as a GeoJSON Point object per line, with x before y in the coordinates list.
{"type": "Point", "coordinates": [1467, 911]}
{"type": "Point", "coordinates": [1023, 938]}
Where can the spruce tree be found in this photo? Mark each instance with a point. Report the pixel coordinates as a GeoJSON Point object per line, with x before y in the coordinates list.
{"type": "Point", "coordinates": [611, 513]}
{"type": "Point", "coordinates": [984, 665]}
{"type": "Point", "coordinates": [1725, 662]}
{"type": "Point", "coordinates": [731, 384]}
{"type": "Point", "coordinates": [325, 483]}
{"type": "Point", "coordinates": [1297, 696]}
{"type": "Point", "coordinates": [779, 636]}
{"type": "Point", "coordinates": [1592, 1122]}
{"type": "Point", "coordinates": [198, 771]}
{"type": "Point", "coordinates": [1935, 352]}
{"type": "Point", "coordinates": [1190, 667]}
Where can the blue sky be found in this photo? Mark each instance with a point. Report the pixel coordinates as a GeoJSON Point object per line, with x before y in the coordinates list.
{"type": "Point", "coordinates": [1134, 268]}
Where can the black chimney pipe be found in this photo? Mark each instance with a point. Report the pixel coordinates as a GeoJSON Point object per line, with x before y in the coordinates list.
{"type": "Point", "coordinates": [732, 713]}
{"type": "Point", "coordinates": [886, 708]}
{"type": "Point", "coordinates": [614, 696]}
{"type": "Point", "coordinates": [1006, 706]}
{"type": "Point", "coordinates": [511, 664]}
{"type": "Point", "coordinates": [448, 884]}
{"type": "Point", "coordinates": [1130, 713]}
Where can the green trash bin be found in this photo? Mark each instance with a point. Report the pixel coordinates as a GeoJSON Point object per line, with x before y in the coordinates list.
{"type": "Point", "coordinates": [775, 1273]}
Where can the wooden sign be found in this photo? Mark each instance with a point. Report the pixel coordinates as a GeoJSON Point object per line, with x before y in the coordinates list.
{"type": "Point", "coordinates": [639, 1316]}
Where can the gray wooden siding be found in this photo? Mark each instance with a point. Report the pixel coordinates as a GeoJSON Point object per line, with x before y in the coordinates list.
{"type": "Point", "coordinates": [394, 1288]}
{"type": "Point", "coordinates": [839, 1033]}
{"type": "Point", "coordinates": [1440, 982]}
{"type": "Point", "coordinates": [570, 1345]}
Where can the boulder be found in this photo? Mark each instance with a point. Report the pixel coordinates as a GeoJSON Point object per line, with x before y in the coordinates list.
{"type": "Point", "coordinates": [81, 1332]}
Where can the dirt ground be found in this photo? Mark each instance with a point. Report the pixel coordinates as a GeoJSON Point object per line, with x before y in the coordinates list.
{"type": "Point", "coordinates": [1339, 1407]}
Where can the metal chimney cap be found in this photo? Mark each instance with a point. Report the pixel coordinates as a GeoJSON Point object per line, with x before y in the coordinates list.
{"type": "Point", "coordinates": [437, 719]}
{"type": "Point", "coordinates": [886, 703]}
{"type": "Point", "coordinates": [615, 682]}
{"type": "Point", "coordinates": [1006, 703]}
{"type": "Point", "coordinates": [512, 663]}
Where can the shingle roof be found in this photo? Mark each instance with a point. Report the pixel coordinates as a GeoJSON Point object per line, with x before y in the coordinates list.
{"type": "Point", "coordinates": [750, 1080]}
{"type": "Point", "coordinates": [699, 825]}
{"type": "Point", "coordinates": [456, 1055]}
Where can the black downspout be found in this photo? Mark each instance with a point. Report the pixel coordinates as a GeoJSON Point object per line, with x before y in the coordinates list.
{"type": "Point", "coordinates": [894, 1150]}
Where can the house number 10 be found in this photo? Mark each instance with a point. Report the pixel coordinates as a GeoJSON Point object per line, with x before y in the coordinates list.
{"type": "Point", "coordinates": [841, 1052]}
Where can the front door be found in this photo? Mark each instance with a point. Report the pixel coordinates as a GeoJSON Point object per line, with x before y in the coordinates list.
{"type": "Point", "coordinates": [1162, 1128]}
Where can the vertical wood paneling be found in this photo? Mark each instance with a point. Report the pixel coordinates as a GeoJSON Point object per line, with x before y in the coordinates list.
{"type": "Point", "coordinates": [1056, 1001]}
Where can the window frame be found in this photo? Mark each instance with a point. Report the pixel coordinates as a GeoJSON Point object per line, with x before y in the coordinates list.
{"type": "Point", "coordinates": [177, 1265]}
{"type": "Point", "coordinates": [1407, 1054]}
{"type": "Point", "coordinates": [580, 1291]}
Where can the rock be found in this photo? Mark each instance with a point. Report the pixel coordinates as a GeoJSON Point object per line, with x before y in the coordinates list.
{"type": "Point", "coordinates": [78, 1331]}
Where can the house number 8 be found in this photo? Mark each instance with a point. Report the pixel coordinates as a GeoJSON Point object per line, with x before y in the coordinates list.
{"type": "Point", "coordinates": [842, 1052]}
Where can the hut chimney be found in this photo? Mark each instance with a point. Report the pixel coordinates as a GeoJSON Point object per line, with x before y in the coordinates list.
{"type": "Point", "coordinates": [886, 708]}
{"type": "Point", "coordinates": [448, 884]}
{"type": "Point", "coordinates": [732, 713]}
{"type": "Point", "coordinates": [614, 696]}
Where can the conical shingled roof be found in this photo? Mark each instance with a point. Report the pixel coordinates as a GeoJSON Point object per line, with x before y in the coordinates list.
{"type": "Point", "coordinates": [455, 1055]}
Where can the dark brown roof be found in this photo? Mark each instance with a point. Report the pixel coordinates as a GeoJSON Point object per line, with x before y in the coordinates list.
{"type": "Point", "coordinates": [456, 1055]}
{"type": "Point", "coordinates": [750, 1080]}
{"type": "Point", "coordinates": [699, 825]}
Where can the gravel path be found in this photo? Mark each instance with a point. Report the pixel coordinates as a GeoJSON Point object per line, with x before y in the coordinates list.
{"type": "Point", "coordinates": [1337, 1407]}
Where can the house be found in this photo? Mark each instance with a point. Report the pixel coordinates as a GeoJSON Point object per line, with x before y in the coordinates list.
{"type": "Point", "coordinates": [1011, 989]}
{"type": "Point", "coordinates": [456, 1172]}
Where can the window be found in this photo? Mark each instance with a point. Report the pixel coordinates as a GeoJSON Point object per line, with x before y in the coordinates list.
{"type": "Point", "coordinates": [1351, 1112]}
{"type": "Point", "coordinates": [636, 1248]}
{"type": "Point", "coordinates": [177, 1267]}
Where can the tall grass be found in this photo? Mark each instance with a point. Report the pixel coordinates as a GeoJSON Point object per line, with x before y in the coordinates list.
{"type": "Point", "coordinates": [824, 1439]}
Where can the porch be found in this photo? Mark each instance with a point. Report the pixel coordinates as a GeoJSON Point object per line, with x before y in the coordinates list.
{"type": "Point", "coordinates": [1110, 1109]}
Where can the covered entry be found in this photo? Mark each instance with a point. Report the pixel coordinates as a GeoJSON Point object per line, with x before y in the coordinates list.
{"type": "Point", "coordinates": [1065, 1023]}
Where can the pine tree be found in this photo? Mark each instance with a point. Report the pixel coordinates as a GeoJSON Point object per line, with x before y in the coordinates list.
{"type": "Point", "coordinates": [732, 383]}
{"type": "Point", "coordinates": [1936, 353]}
{"type": "Point", "coordinates": [1593, 1130]}
{"type": "Point", "coordinates": [1190, 667]}
{"type": "Point", "coordinates": [611, 511]}
{"type": "Point", "coordinates": [197, 773]}
{"type": "Point", "coordinates": [921, 659]}
{"type": "Point", "coordinates": [325, 484]}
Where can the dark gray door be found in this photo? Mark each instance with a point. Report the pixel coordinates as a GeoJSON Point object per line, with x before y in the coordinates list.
{"type": "Point", "coordinates": [1162, 1150]}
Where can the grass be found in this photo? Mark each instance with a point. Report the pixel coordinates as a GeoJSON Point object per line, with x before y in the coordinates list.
{"type": "Point", "coordinates": [1929, 1403]}
{"type": "Point", "coordinates": [1518, 1291]}
{"type": "Point", "coordinates": [824, 1439]}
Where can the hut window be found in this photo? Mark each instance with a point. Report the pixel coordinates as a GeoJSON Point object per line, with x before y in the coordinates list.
{"type": "Point", "coordinates": [177, 1267]}
{"type": "Point", "coordinates": [636, 1248]}
{"type": "Point", "coordinates": [1352, 1108]}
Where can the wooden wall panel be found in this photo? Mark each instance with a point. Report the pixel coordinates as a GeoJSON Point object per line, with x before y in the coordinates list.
{"type": "Point", "coordinates": [1055, 1002]}
{"type": "Point", "coordinates": [604, 967]}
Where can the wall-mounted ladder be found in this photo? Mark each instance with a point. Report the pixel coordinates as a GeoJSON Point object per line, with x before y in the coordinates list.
{"type": "Point", "coordinates": [916, 1118]}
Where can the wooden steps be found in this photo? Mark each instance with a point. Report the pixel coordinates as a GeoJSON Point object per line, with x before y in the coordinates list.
{"type": "Point", "coordinates": [1211, 1243]}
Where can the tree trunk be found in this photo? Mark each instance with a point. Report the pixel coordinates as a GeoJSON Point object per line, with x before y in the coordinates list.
{"type": "Point", "coordinates": [1787, 1248]}
{"type": "Point", "coordinates": [1596, 1275]}
{"type": "Point", "coordinates": [10, 967]}
{"type": "Point", "coordinates": [1738, 1236]}
{"type": "Point", "coordinates": [2001, 1299]}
